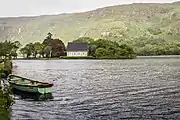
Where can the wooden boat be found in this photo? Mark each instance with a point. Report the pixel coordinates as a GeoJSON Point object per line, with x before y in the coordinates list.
{"type": "Point", "coordinates": [32, 96]}
{"type": "Point", "coordinates": [27, 85]}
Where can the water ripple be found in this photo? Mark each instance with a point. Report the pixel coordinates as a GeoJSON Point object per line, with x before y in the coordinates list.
{"type": "Point", "coordinates": [138, 89]}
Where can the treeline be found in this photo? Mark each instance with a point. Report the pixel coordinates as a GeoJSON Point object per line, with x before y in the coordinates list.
{"type": "Point", "coordinates": [101, 48]}
{"type": "Point", "coordinates": [142, 46]}
{"type": "Point", "coordinates": [9, 49]}
{"type": "Point", "coordinates": [152, 45]}
{"type": "Point", "coordinates": [150, 50]}
{"type": "Point", "coordinates": [149, 46]}
{"type": "Point", "coordinates": [47, 49]}
{"type": "Point", "coordinates": [106, 49]}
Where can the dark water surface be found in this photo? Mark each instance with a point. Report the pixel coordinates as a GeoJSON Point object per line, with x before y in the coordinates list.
{"type": "Point", "coordinates": [102, 89]}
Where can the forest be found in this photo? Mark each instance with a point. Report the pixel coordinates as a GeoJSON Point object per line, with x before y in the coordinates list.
{"type": "Point", "coordinates": [100, 49]}
{"type": "Point", "coordinates": [103, 48]}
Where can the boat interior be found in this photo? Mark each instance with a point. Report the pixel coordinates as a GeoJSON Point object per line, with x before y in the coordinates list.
{"type": "Point", "coordinates": [23, 81]}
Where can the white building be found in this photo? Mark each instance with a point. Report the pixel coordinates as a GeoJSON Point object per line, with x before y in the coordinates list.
{"type": "Point", "coordinates": [77, 49]}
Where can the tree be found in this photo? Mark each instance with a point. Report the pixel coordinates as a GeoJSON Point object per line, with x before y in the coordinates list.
{"type": "Point", "coordinates": [15, 46]}
{"type": "Point", "coordinates": [58, 48]}
{"type": "Point", "coordinates": [23, 51]}
{"type": "Point", "coordinates": [28, 50]}
{"type": "Point", "coordinates": [49, 36]}
{"type": "Point", "coordinates": [53, 47]}
{"type": "Point", "coordinates": [48, 45]}
{"type": "Point", "coordinates": [42, 52]}
{"type": "Point", "coordinates": [48, 40]}
{"type": "Point", "coordinates": [48, 51]}
{"type": "Point", "coordinates": [9, 49]}
{"type": "Point", "coordinates": [38, 47]}
{"type": "Point", "coordinates": [49, 48]}
{"type": "Point", "coordinates": [92, 50]}
{"type": "Point", "coordinates": [100, 52]}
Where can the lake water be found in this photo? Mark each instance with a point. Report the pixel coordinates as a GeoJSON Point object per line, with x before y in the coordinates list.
{"type": "Point", "coordinates": [102, 89]}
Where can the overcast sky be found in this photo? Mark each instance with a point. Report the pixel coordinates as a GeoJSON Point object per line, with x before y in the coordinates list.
{"type": "Point", "coordinates": [42, 7]}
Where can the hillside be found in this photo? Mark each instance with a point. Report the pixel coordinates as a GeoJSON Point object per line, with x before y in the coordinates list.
{"type": "Point", "coordinates": [122, 23]}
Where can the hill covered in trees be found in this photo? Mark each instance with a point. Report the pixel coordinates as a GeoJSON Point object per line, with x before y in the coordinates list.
{"type": "Point", "coordinates": [152, 29]}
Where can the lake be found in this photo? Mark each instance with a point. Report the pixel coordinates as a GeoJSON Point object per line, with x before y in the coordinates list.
{"type": "Point", "coordinates": [102, 89]}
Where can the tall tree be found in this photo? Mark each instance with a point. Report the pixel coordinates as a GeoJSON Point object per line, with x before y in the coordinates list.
{"type": "Point", "coordinates": [38, 47]}
{"type": "Point", "coordinates": [9, 49]}
{"type": "Point", "coordinates": [48, 45]}
{"type": "Point", "coordinates": [15, 46]}
{"type": "Point", "coordinates": [58, 48]}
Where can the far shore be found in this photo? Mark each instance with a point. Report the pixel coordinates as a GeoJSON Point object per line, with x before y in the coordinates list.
{"type": "Point", "coordinates": [159, 56]}
{"type": "Point", "coordinates": [138, 57]}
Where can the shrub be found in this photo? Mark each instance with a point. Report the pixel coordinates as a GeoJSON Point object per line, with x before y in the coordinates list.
{"type": "Point", "coordinates": [5, 102]}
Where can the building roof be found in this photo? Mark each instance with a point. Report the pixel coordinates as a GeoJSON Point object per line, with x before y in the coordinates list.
{"type": "Point", "coordinates": [77, 46]}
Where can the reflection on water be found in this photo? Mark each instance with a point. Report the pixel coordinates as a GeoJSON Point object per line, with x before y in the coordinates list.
{"type": "Point", "coordinates": [103, 89]}
{"type": "Point", "coordinates": [31, 96]}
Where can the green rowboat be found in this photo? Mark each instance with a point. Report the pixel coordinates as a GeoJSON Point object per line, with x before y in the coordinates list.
{"type": "Point", "coordinates": [27, 85]}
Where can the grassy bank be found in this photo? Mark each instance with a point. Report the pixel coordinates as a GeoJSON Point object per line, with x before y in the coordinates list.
{"type": "Point", "coordinates": [5, 97]}
{"type": "Point", "coordinates": [5, 102]}
{"type": "Point", "coordinates": [5, 68]}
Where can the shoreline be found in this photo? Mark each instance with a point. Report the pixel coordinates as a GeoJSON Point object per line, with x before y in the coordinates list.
{"type": "Point", "coordinates": [158, 56]}
{"type": "Point", "coordinates": [90, 58]}
{"type": "Point", "coordinates": [6, 99]}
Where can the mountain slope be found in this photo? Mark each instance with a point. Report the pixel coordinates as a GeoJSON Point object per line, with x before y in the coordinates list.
{"type": "Point", "coordinates": [119, 23]}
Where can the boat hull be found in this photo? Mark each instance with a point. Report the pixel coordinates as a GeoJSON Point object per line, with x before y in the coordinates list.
{"type": "Point", "coordinates": [32, 89]}
{"type": "Point", "coordinates": [33, 96]}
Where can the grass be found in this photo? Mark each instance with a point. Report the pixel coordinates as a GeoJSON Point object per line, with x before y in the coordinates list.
{"type": "Point", "coordinates": [4, 115]}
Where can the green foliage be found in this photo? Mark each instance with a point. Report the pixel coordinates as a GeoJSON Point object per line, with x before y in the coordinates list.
{"type": "Point", "coordinates": [2, 74]}
{"type": "Point", "coordinates": [9, 49]}
{"type": "Point", "coordinates": [168, 49]}
{"type": "Point", "coordinates": [58, 48]}
{"type": "Point", "coordinates": [38, 47]}
{"type": "Point", "coordinates": [5, 68]}
{"type": "Point", "coordinates": [101, 52]}
{"type": "Point", "coordinates": [28, 50]}
{"type": "Point", "coordinates": [47, 51]}
{"type": "Point", "coordinates": [155, 31]}
{"type": "Point", "coordinates": [92, 50]}
{"type": "Point", "coordinates": [5, 102]}
{"type": "Point", "coordinates": [48, 48]}
{"type": "Point", "coordinates": [5, 98]}
{"type": "Point", "coordinates": [105, 49]}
